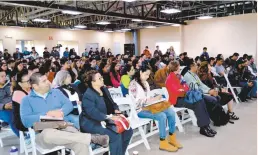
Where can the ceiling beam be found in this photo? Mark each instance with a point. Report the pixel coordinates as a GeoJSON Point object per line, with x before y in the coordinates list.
{"type": "Point", "coordinates": [110, 6]}
{"type": "Point", "coordinates": [91, 11]}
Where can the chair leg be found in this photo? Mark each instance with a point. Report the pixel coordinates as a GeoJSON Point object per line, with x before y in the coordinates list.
{"type": "Point", "coordinates": [90, 151]}
{"type": "Point", "coordinates": [144, 138]}
{"type": "Point", "coordinates": [1, 142]}
{"type": "Point", "coordinates": [179, 124]}
{"type": "Point", "coordinates": [63, 152]}
{"type": "Point", "coordinates": [193, 117]}
{"type": "Point", "coordinates": [22, 147]}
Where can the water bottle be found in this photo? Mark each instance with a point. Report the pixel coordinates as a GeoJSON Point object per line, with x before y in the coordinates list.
{"type": "Point", "coordinates": [135, 153]}
{"type": "Point", "coordinates": [14, 151]}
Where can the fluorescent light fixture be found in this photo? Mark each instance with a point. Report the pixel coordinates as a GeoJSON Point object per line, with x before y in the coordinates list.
{"type": "Point", "coordinates": [80, 26]}
{"type": "Point", "coordinates": [103, 23]}
{"type": "Point", "coordinates": [125, 29]}
{"type": "Point", "coordinates": [108, 31]}
{"type": "Point", "coordinates": [129, 0]}
{"type": "Point", "coordinates": [176, 25]}
{"type": "Point", "coordinates": [136, 20]}
{"type": "Point", "coordinates": [24, 20]}
{"type": "Point", "coordinates": [41, 20]}
{"type": "Point", "coordinates": [71, 12]}
{"type": "Point", "coordinates": [150, 27]}
{"type": "Point", "coordinates": [119, 31]}
{"type": "Point", "coordinates": [205, 17]}
{"type": "Point", "coordinates": [170, 11]}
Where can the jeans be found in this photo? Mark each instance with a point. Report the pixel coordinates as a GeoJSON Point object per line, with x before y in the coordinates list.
{"type": "Point", "coordinates": [7, 116]}
{"type": "Point", "coordinates": [246, 90]}
{"type": "Point", "coordinates": [162, 117]}
{"type": "Point", "coordinates": [253, 91]}
{"type": "Point", "coordinates": [200, 111]}
{"type": "Point", "coordinates": [73, 119]}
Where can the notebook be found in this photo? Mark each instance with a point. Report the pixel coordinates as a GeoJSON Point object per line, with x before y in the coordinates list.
{"type": "Point", "coordinates": [154, 102]}
{"type": "Point", "coordinates": [49, 118]}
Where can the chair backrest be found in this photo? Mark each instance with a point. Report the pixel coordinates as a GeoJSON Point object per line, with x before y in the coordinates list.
{"type": "Point", "coordinates": [181, 68]}
{"type": "Point", "coordinates": [115, 92]}
{"type": "Point", "coordinates": [124, 103]}
{"type": "Point", "coordinates": [33, 142]}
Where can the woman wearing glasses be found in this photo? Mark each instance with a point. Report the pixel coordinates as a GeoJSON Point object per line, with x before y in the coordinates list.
{"type": "Point", "coordinates": [21, 89]}
{"type": "Point", "coordinates": [96, 105]}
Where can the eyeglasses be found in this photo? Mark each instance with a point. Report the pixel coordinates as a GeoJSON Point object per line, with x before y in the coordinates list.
{"type": "Point", "coordinates": [100, 78]}
{"type": "Point", "coordinates": [28, 81]}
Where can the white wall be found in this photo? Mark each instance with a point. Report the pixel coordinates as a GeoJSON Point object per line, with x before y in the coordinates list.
{"type": "Point", "coordinates": [9, 35]}
{"type": "Point", "coordinates": [222, 35]}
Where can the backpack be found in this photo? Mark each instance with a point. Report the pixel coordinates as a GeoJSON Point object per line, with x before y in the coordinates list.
{"type": "Point", "coordinates": [217, 114]}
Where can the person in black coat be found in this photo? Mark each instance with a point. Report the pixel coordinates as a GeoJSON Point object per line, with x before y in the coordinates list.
{"type": "Point", "coordinates": [96, 105]}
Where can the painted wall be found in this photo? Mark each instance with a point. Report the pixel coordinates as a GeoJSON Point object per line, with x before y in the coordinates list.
{"type": "Point", "coordinates": [9, 35]}
{"type": "Point", "coordinates": [222, 35]}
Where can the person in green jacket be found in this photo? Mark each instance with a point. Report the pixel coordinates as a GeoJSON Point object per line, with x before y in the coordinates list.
{"type": "Point", "coordinates": [127, 74]}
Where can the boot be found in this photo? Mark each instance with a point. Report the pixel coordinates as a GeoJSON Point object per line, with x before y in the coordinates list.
{"type": "Point", "coordinates": [174, 142]}
{"type": "Point", "coordinates": [102, 140]}
{"type": "Point", "coordinates": [164, 145]}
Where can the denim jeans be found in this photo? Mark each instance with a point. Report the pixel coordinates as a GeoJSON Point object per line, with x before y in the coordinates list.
{"type": "Point", "coordinates": [73, 119]}
{"type": "Point", "coordinates": [7, 116]}
{"type": "Point", "coordinates": [253, 92]}
{"type": "Point", "coordinates": [162, 117]}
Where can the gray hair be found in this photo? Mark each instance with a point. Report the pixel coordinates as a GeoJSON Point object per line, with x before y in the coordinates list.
{"type": "Point", "coordinates": [34, 78]}
{"type": "Point", "coordinates": [61, 76]}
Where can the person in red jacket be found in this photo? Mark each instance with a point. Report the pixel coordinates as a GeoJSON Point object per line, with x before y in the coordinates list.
{"type": "Point", "coordinates": [115, 74]}
{"type": "Point", "coordinates": [177, 89]}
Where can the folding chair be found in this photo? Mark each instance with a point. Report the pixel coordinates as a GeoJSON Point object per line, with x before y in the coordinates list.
{"type": "Point", "coordinates": [232, 89]}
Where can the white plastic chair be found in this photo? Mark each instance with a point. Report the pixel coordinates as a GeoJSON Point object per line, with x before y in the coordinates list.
{"type": "Point", "coordinates": [229, 86]}
{"type": "Point", "coordinates": [35, 147]}
{"type": "Point", "coordinates": [135, 121]}
{"type": "Point", "coordinates": [179, 123]}
{"type": "Point", "coordinates": [5, 133]}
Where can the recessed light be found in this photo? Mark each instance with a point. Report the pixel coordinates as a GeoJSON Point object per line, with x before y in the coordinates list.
{"type": "Point", "coordinates": [170, 11]}
{"type": "Point", "coordinates": [176, 25]}
{"type": "Point", "coordinates": [150, 27]}
{"type": "Point", "coordinates": [109, 31]}
{"type": "Point", "coordinates": [136, 20]}
{"type": "Point", "coordinates": [80, 26]}
{"type": "Point", "coordinates": [41, 20]}
{"type": "Point", "coordinates": [71, 12]}
{"type": "Point", "coordinates": [125, 29]}
{"type": "Point", "coordinates": [103, 23]}
{"type": "Point", "coordinates": [205, 17]}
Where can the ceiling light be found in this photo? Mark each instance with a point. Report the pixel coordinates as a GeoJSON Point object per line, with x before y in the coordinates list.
{"type": "Point", "coordinates": [41, 20]}
{"type": "Point", "coordinates": [103, 23]}
{"type": "Point", "coordinates": [80, 26]}
{"type": "Point", "coordinates": [24, 20]}
{"type": "Point", "coordinates": [71, 12]}
{"type": "Point", "coordinates": [205, 17]}
{"type": "Point", "coordinates": [108, 31]}
{"type": "Point", "coordinates": [119, 31]}
{"type": "Point", "coordinates": [129, 0]}
{"type": "Point", "coordinates": [176, 25]}
{"type": "Point", "coordinates": [150, 27]}
{"type": "Point", "coordinates": [125, 29]}
{"type": "Point", "coordinates": [136, 20]}
{"type": "Point", "coordinates": [170, 11]}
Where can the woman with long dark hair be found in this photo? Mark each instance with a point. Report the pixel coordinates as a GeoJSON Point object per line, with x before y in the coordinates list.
{"type": "Point", "coordinates": [104, 70]}
{"type": "Point", "coordinates": [140, 90]}
{"type": "Point", "coordinates": [127, 75]}
{"type": "Point", "coordinates": [114, 74]}
{"type": "Point", "coordinates": [21, 89]}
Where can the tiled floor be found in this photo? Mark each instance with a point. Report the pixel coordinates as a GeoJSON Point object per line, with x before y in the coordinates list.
{"type": "Point", "coordinates": [233, 139]}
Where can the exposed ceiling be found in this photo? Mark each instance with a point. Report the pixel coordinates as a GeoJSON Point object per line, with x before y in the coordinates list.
{"type": "Point", "coordinates": [118, 13]}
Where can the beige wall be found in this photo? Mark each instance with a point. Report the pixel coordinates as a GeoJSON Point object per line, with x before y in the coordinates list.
{"type": "Point", "coordinates": [9, 35]}
{"type": "Point", "coordinates": [222, 35]}
{"type": "Point", "coordinates": [149, 37]}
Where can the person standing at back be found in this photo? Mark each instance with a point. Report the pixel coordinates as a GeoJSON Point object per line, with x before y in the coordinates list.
{"type": "Point", "coordinates": [7, 55]}
{"type": "Point", "coordinates": [147, 53]}
{"type": "Point", "coordinates": [205, 54]}
{"type": "Point", "coordinates": [102, 52]}
{"type": "Point", "coordinates": [66, 53]}
{"type": "Point", "coordinates": [17, 54]}
{"type": "Point", "coordinates": [46, 54]}
{"type": "Point", "coordinates": [157, 52]}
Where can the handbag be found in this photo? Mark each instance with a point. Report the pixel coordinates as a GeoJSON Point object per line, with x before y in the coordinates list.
{"type": "Point", "coordinates": [118, 125]}
{"type": "Point", "coordinates": [193, 95]}
{"type": "Point", "coordinates": [158, 107]}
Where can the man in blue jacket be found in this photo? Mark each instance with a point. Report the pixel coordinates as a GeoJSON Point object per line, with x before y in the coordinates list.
{"type": "Point", "coordinates": [43, 101]}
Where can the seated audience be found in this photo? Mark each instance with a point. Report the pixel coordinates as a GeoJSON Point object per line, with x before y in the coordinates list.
{"type": "Point", "coordinates": [97, 104]}
{"type": "Point", "coordinates": [252, 64]}
{"type": "Point", "coordinates": [147, 52]}
{"type": "Point", "coordinates": [43, 101]}
{"type": "Point", "coordinates": [140, 90]}
{"type": "Point", "coordinates": [161, 76]}
{"type": "Point", "coordinates": [65, 67]}
{"type": "Point", "coordinates": [127, 75]}
{"type": "Point", "coordinates": [231, 61]}
{"type": "Point", "coordinates": [236, 78]}
{"type": "Point", "coordinates": [177, 89]}
{"type": "Point", "coordinates": [204, 73]}
{"type": "Point", "coordinates": [115, 74]}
